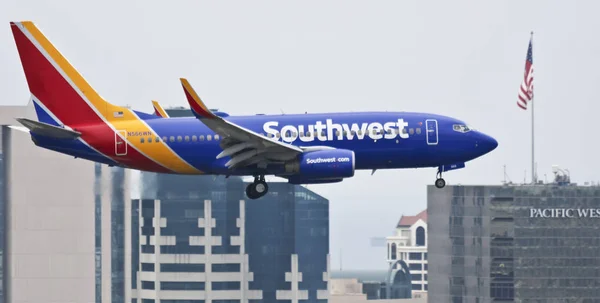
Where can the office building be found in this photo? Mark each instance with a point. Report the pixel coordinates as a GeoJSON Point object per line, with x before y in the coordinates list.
{"type": "Point", "coordinates": [353, 291]}
{"type": "Point", "coordinates": [47, 237]}
{"type": "Point", "coordinates": [409, 244]}
{"type": "Point", "coordinates": [199, 240]}
{"type": "Point", "coordinates": [112, 222]}
{"type": "Point", "coordinates": [531, 243]}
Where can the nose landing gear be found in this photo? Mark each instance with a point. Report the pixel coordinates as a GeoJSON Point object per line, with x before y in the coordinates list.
{"type": "Point", "coordinates": [440, 182]}
{"type": "Point", "coordinates": [258, 188]}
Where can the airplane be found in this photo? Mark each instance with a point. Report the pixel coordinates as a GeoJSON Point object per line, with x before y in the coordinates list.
{"type": "Point", "coordinates": [320, 148]}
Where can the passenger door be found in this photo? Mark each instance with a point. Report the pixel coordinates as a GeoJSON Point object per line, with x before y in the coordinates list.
{"type": "Point", "coordinates": [120, 143]}
{"type": "Point", "coordinates": [432, 131]}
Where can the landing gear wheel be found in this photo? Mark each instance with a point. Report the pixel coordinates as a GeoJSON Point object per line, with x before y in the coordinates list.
{"type": "Point", "coordinates": [261, 187]}
{"type": "Point", "coordinates": [440, 183]}
{"type": "Point", "coordinates": [257, 189]}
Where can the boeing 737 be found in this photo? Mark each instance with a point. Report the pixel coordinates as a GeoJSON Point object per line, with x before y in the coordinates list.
{"type": "Point", "coordinates": [73, 119]}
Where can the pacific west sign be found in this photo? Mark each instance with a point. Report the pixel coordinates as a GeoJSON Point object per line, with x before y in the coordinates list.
{"type": "Point", "coordinates": [564, 213]}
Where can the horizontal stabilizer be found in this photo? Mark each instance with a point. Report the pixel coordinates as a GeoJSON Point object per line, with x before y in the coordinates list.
{"type": "Point", "coordinates": [47, 130]}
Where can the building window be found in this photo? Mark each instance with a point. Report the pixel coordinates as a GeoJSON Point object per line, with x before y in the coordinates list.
{"type": "Point", "coordinates": [420, 236]}
{"type": "Point", "coordinates": [393, 251]}
{"type": "Point", "coordinates": [414, 256]}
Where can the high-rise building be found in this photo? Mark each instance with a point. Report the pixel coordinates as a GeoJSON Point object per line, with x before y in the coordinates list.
{"type": "Point", "coordinates": [112, 221]}
{"type": "Point", "coordinates": [199, 240]}
{"type": "Point", "coordinates": [409, 245]}
{"type": "Point", "coordinates": [514, 243]}
{"type": "Point", "coordinates": [48, 230]}
{"type": "Point", "coordinates": [2, 222]}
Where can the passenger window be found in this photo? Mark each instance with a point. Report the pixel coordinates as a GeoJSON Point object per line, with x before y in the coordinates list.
{"type": "Point", "coordinates": [194, 139]}
{"type": "Point", "coordinates": [208, 137]}
{"type": "Point", "coordinates": [216, 137]}
{"type": "Point", "coordinates": [164, 139]}
{"type": "Point", "coordinates": [301, 134]}
{"type": "Point", "coordinates": [179, 138]}
{"type": "Point", "coordinates": [202, 138]}
{"type": "Point", "coordinates": [411, 131]}
{"type": "Point", "coordinates": [172, 139]}
{"type": "Point", "coordinates": [142, 140]}
{"type": "Point", "coordinates": [404, 130]}
{"type": "Point", "coordinates": [149, 139]}
{"type": "Point", "coordinates": [187, 138]}
{"type": "Point", "coordinates": [418, 131]}
{"type": "Point", "coordinates": [277, 135]}
{"type": "Point", "coordinates": [157, 139]}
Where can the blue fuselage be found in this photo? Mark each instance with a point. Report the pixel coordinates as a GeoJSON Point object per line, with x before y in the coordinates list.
{"type": "Point", "coordinates": [380, 140]}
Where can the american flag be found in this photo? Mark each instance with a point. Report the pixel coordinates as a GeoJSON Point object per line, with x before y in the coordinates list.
{"type": "Point", "coordinates": [526, 90]}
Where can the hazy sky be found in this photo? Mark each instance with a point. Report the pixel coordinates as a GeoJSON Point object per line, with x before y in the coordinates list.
{"type": "Point", "coordinates": [459, 58]}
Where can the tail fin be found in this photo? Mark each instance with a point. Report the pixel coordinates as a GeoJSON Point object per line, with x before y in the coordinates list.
{"type": "Point", "coordinates": [158, 110]}
{"type": "Point", "coordinates": [60, 94]}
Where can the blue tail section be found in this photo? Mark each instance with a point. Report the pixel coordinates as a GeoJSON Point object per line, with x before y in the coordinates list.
{"type": "Point", "coordinates": [43, 116]}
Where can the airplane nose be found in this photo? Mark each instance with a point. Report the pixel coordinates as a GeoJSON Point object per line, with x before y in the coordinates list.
{"type": "Point", "coordinates": [486, 143]}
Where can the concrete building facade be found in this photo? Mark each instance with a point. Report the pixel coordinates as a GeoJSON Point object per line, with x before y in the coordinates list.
{"type": "Point", "coordinates": [63, 228]}
{"type": "Point", "coordinates": [48, 220]}
{"type": "Point", "coordinates": [535, 243]}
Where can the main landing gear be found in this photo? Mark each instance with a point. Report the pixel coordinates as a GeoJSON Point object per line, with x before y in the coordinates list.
{"type": "Point", "coordinates": [439, 182]}
{"type": "Point", "coordinates": [258, 188]}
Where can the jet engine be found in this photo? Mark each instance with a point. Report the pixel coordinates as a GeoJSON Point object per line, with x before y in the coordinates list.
{"type": "Point", "coordinates": [321, 165]}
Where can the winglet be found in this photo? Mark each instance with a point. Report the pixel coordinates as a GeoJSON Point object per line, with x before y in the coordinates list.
{"type": "Point", "coordinates": [158, 110]}
{"type": "Point", "coordinates": [198, 107]}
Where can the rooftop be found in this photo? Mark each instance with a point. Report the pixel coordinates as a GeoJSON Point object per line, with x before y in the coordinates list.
{"type": "Point", "coordinates": [410, 220]}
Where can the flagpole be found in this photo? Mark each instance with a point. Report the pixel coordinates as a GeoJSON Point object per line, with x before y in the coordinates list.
{"type": "Point", "coordinates": [533, 179]}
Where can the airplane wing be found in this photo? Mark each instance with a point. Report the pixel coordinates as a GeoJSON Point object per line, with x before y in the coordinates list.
{"type": "Point", "coordinates": [245, 146]}
{"type": "Point", "coordinates": [158, 110]}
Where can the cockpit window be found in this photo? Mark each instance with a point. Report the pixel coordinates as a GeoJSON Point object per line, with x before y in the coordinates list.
{"type": "Point", "coordinates": [461, 128]}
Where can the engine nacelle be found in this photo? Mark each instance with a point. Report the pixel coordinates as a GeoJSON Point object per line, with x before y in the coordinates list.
{"type": "Point", "coordinates": [333, 164]}
{"type": "Point", "coordinates": [297, 180]}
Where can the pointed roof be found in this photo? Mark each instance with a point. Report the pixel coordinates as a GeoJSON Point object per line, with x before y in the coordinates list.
{"type": "Point", "coordinates": [410, 220]}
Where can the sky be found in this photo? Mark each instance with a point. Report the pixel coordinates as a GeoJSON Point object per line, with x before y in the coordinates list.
{"type": "Point", "coordinates": [463, 59]}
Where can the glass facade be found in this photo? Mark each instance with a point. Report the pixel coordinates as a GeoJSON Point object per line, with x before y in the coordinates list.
{"type": "Point", "coordinates": [514, 244]}
{"type": "Point", "coordinates": [117, 234]}
{"type": "Point", "coordinates": [286, 231]}
{"type": "Point", "coordinates": [98, 230]}
{"type": "Point", "coordinates": [290, 220]}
